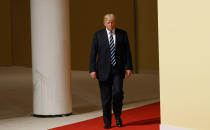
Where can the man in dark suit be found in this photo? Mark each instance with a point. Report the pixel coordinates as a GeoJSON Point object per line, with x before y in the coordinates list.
{"type": "Point", "coordinates": [110, 60]}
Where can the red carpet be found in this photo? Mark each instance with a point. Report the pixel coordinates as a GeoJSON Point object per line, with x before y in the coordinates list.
{"type": "Point", "coordinates": [141, 118]}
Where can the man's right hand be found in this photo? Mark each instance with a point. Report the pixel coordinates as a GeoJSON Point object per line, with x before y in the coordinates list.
{"type": "Point", "coordinates": [93, 75]}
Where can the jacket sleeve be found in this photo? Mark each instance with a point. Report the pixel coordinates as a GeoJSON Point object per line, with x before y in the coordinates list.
{"type": "Point", "coordinates": [128, 57]}
{"type": "Point", "coordinates": [93, 54]}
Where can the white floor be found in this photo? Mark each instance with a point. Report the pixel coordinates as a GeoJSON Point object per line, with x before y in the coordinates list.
{"type": "Point", "coordinates": [16, 98]}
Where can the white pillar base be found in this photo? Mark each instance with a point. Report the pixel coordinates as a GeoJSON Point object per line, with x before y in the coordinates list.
{"type": "Point", "coordinates": [49, 116]}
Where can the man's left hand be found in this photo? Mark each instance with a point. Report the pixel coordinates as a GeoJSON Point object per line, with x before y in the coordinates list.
{"type": "Point", "coordinates": [128, 73]}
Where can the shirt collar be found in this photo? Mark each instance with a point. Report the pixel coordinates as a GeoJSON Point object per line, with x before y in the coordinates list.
{"type": "Point", "coordinates": [108, 32]}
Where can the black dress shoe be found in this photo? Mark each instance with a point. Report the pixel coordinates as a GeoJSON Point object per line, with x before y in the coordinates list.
{"type": "Point", "coordinates": [107, 126]}
{"type": "Point", "coordinates": [119, 122]}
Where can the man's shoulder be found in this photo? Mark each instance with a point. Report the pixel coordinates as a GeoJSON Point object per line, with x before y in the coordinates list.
{"type": "Point", "coordinates": [120, 30]}
{"type": "Point", "coordinates": [116, 29]}
{"type": "Point", "coordinates": [100, 31]}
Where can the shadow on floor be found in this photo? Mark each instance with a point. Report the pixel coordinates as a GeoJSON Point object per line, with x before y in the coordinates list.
{"type": "Point", "coordinates": [144, 122]}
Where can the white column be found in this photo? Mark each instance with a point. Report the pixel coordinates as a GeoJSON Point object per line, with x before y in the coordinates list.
{"type": "Point", "coordinates": [51, 57]}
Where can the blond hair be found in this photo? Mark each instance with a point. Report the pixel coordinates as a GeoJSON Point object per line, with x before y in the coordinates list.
{"type": "Point", "coordinates": [109, 17]}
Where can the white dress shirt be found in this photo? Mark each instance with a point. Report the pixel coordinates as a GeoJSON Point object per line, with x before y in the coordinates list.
{"type": "Point", "coordinates": [113, 34]}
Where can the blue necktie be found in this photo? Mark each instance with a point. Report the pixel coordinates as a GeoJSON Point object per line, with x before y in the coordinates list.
{"type": "Point", "coordinates": [112, 49]}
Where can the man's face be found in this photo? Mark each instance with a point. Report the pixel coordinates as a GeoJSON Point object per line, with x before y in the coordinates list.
{"type": "Point", "coordinates": [109, 24]}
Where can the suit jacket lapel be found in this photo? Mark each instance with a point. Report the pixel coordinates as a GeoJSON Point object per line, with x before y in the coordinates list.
{"type": "Point", "coordinates": [107, 47]}
{"type": "Point", "coordinates": [117, 37]}
{"type": "Point", "coordinates": [106, 36]}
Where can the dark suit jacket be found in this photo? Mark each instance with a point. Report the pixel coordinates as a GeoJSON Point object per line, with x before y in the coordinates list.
{"type": "Point", "coordinates": [100, 59]}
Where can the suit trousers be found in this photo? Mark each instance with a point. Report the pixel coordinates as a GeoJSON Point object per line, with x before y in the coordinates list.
{"type": "Point", "coordinates": [111, 91]}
